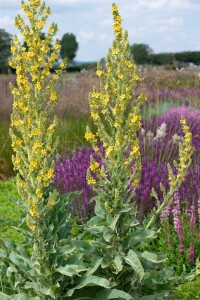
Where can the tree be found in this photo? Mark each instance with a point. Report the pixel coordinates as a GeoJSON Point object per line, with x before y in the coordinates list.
{"type": "Point", "coordinates": [162, 59]}
{"type": "Point", "coordinates": [5, 42]}
{"type": "Point", "coordinates": [69, 46]}
{"type": "Point", "coordinates": [141, 53]}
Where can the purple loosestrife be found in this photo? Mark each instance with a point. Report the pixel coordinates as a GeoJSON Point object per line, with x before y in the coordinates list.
{"type": "Point", "coordinates": [177, 217]}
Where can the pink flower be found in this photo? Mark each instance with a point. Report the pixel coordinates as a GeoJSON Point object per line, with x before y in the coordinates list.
{"type": "Point", "coordinates": [182, 248]}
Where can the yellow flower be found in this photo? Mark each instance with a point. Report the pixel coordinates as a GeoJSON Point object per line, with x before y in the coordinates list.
{"type": "Point", "coordinates": [94, 166]}
{"type": "Point", "coordinates": [37, 146]}
{"type": "Point", "coordinates": [114, 8]}
{"type": "Point", "coordinates": [109, 150]}
{"type": "Point", "coordinates": [91, 180]}
{"type": "Point", "coordinates": [39, 192]}
{"type": "Point", "coordinates": [135, 182]}
{"type": "Point", "coordinates": [95, 116]}
{"type": "Point", "coordinates": [53, 96]}
{"type": "Point", "coordinates": [95, 95]}
{"type": "Point", "coordinates": [62, 65]}
{"type": "Point", "coordinates": [99, 72]}
{"type": "Point", "coordinates": [40, 24]}
{"type": "Point", "coordinates": [33, 210]}
{"type": "Point", "coordinates": [51, 202]}
{"type": "Point", "coordinates": [32, 227]}
{"type": "Point", "coordinates": [90, 137]}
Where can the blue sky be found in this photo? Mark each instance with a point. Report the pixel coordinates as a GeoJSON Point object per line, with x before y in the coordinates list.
{"type": "Point", "coordinates": [165, 25]}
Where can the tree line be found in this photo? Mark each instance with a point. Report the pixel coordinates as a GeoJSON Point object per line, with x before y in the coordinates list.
{"type": "Point", "coordinates": [142, 53]}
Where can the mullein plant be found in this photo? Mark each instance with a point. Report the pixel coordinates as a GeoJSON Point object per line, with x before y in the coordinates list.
{"type": "Point", "coordinates": [47, 264]}
{"type": "Point", "coordinates": [115, 230]}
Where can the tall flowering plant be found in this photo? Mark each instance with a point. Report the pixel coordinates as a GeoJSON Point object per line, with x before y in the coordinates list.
{"type": "Point", "coordinates": [47, 265]}
{"type": "Point", "coordinates": [115, 230]}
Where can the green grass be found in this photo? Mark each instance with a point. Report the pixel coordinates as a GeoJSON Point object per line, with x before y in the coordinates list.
{"type": "Point", "coordinates": [6, 152]}
{"type": "Point", "coordinates": [158, 109]}
{"type": "Point", "coordinates": [9, 211]}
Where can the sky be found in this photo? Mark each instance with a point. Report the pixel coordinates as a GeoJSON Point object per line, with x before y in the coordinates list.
{"type": "Point", "coordinates": [165, 25]}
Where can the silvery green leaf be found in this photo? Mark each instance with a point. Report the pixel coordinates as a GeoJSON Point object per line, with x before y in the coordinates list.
{"type": "Point", "coordinates": [112, 225]}
{"type": "Point", "coordinates": [133, 260]}
{"type": "Point", "coordinates": [95, 264]}
{"type": "Point", "coordinates": [90, 280]}
{"type": "Point", "coordinates": [71, 270]}
{"type": "Point", "coordinates": [112, 294]}
{"type": "Point", "coordinates": [99, 210]}
{"type": "Point", "coordinates": [153, 257]}
{"type": "Point", "coordinates": [107, 235]}
{"type": "Point", "coordinates": [118, 263]}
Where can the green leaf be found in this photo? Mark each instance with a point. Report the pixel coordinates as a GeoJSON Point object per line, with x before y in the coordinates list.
{"type": "Point", "coordinates": [19, 261]}
{"type": "Point", "coordinates": [99, 210]}
{"type": "Point", "coordinates": [65, 250]}
{"type": "Point", "coordinates": [96, 229]}
{"type": "Point", "coordinates": [133, 260]}
{"type": "Point", "coordinates": [38, 287]}
{"type": "Point", "coordinates": [153, 257]}
{"type": "Point", "coordinates": [112, 225]}
{"type": "Point", "coordinates": [94, 221]}
{"type": "Point", "coordinates": [138, 238]}
{"type": "Point", "coordinates": [4, 296]}
{"type": "Point", "coordinates": [112, 294]}
{"type": "Point", "coordinates": [75, 259]}
{"type": "Point", "coordinates": [96, 263]}
{"type": "Point", "coordinates": [107, 235]}
{"type": "Point", "coordinates": [118, 263]}
{"type": "Point", "coordinates": [90, 280]}
{"type": "Point", "coordinates": [71, 270]}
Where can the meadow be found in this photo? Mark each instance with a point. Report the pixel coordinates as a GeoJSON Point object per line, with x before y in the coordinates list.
{"type": "Point", "coordinates": [102, 201]}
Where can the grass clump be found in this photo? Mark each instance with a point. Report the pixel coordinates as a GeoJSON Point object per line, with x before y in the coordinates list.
{"type": "Point", "coordinates": [9, 211]}
{"type": "Point", "coordinates": [188, 291]}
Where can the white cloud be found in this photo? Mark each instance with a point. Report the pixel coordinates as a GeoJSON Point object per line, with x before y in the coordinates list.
{"type": "Point", "coordinates": [86, 35]}
{"type": "Point", "coordinates": [176, 21]}
{"type": "Point", "coordinates": [6, 21]}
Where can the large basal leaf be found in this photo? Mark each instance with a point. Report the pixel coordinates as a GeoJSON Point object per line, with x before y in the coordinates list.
{"type": "Point", "coordinates": [71, 270]}
{"type": "Point", "coordinates": [90, 280]}
{"type": "Point", "coordinates": [133, 260]}
{"type": "Point", "coordinates": [112, 294]}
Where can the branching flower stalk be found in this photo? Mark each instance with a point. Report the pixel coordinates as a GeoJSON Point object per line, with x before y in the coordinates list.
{"type": "Point", "coordinates": [34, 97]}
{"type": "Point", "coordinates": [175, 180]}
